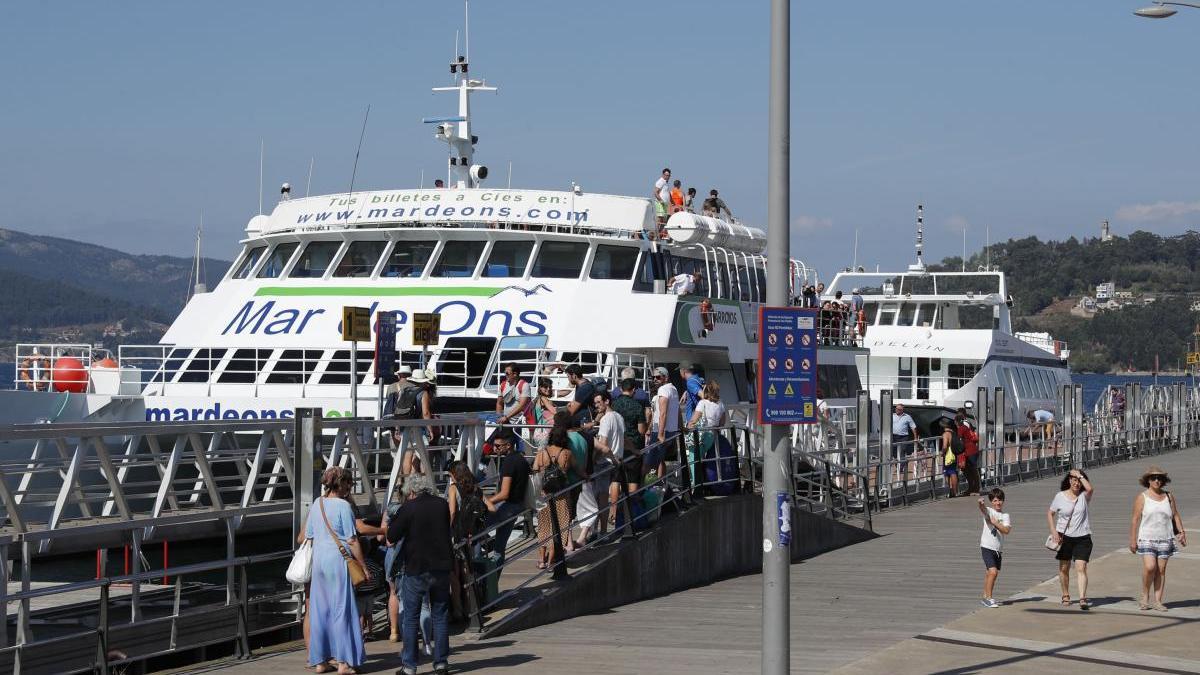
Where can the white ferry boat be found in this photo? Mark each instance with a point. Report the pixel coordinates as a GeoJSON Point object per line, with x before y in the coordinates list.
{"type": "Point", "coordinates": [544, 278]}
{"type": "Point", "coordinates": [936, 337]}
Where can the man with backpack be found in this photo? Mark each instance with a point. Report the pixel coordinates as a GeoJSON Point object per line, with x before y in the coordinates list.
{"type": "Point", "coordinates": [968, 461]}
{"type": "Point", "coordinates": [580, 404]}
{"type": "Point", "coordinates": [952, 447]}
{"type": "Point", "coordinates": [514, 404]}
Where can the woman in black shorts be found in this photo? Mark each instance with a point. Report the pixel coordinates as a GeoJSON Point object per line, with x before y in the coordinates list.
{"type": "Point", "coordinates": [1070, 526]}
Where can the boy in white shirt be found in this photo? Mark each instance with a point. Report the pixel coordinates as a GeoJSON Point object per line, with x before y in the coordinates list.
{"type": "Point", "coordinates": [996, 524]}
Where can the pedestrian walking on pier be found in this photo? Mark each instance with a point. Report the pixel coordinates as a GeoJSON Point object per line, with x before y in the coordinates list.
{"type": "Point", "coordinates": [996, 525]}
{"type": "Point", "coordinates": [1155, 533]}
{"type": "Point", "coordinates": [334, 631]}
{"type": "Point", "coordinates": [1071, 529]}
{"type": "Point", "coordinates": [422, 528]}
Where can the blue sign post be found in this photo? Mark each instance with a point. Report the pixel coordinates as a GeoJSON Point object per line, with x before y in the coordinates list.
{"type": "Point", "coordinates": [787, 365]}
{"type": "Point", "coordinates": [385, 344]}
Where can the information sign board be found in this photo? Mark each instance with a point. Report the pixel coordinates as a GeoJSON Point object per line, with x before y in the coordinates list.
{"type": "Point", "coordinates": [787, 365]}
{"type": "Point", "coordinates": [385, 341]}
{"type": "Point", "coordinates": [426, 326]}
{"type": "Point", "coordinates": [356, 324]}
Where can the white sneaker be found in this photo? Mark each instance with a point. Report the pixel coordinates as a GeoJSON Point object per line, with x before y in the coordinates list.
{"type": "Point", "coordinates": [989, 603]}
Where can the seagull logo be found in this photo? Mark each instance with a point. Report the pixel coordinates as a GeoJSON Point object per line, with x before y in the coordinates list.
{"type": "Point", "coordinates": [526, 291]}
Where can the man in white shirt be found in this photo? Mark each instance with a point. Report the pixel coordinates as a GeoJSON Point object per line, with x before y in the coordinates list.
{"type": "Point", "coordinates": [662, 197]}
{"type": "Point", "coordinates": [664, 422]}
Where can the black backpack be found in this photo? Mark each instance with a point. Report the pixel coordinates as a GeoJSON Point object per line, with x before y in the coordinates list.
{"type": "Point", "coordinates": [406, 402]}
{"type": "Point", "coordinates": [956, 442]}
{"type": "Point", "coordinates": [469, 520]}
{"type": "Point", "coordinates": [554, 479]}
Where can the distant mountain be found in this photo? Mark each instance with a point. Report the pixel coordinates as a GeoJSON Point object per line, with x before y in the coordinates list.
{"type": "Point", "coordinates": [155, 281]}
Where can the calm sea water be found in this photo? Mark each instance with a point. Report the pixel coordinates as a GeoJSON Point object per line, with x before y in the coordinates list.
{"type": "Point", "coordinates": [1092, 383]}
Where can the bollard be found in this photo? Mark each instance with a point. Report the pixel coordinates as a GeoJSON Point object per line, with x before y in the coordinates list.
{"type": "Point", "coordinates": [307, 462]}
{"type": "Point", "coordinates": [862, 439]}
{"type": "Point", "coordinates": [1081, 441]}
{"type": "Point", "coordinates": [887, 457]}
{"type": "Point", "coordinates": [998, 412]}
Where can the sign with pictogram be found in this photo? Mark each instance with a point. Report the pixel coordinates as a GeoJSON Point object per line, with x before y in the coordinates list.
{"type": "Point", "coordinates": [787, 353]}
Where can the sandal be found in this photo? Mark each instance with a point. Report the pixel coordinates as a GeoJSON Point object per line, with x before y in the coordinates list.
{"type": "Point", "coordinates": [1085, 604]}
{"type": "Point", "coordinates": [1066, 600]}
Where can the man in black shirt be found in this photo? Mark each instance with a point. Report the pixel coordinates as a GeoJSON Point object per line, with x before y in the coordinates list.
{"type": "Point", "coordinates": [422, 527]}
{"type": "Point", "coordinates": [580, 406]}
{"type": "Point", "coordinates": [509, 499]}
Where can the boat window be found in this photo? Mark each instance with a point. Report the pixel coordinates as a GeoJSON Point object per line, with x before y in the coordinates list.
{"type": "Point", "coordinates": [464, 361]}
{"type": "Point", "coordinates": [315, 259]}
{"type": "Point", "coordinates": [726, 290]}
{"type": "Point", "coordinates": [244, 366]}
{"type": "Point", "coordinates": [408, 258]}
{"type": "Point", "coordinates": [248, 262]}
{"type": "Point", "coordinates": [870, 309]}
{"type": "Point", "coordinates": [918, 285]}
{"type": "Point", "coordinates": [171, 365]}
{"type": "Point", "coordinates": [359, 260]}
{"type": "Point", "coordinates": [276, 261]}
{"type": "Point", "coordinates": [508, 258]}
{"type": "Point", "coordinates": [887, 315]}
{"type": "Point", "coordinates": [761, 277]}
{"type": "Point", "coordinates": [925, 312]}
{"type": "Point", "coordinates": [908, 312]}
{"type": "Point", "coordinates": [337, 371]}
{"type": "Point", "coordinates": [962, 284]}
{"type": "Point", "coordinates": [960, 375]}
{"type": "Point", "coordinates": [458, 259]}
{"type": "Point", "coordinates": [613, 262]}
{"type": "Point", "coordinates": [1047, 384]}
{"type": "Point", "coordinates": [559, 259]}
{"type": "Point", "coordinates": [644, 281]}
{"type": "Point", "coordinates": [294, 366]}
{"type": "Point", "coordinates": [202, 364]}
{"type": "Point", "coordinates": [837, 381]}
{"type": "Point", "coordinates": [743, 283]}
{"type": "Point", "coordinates": [1023, 382]}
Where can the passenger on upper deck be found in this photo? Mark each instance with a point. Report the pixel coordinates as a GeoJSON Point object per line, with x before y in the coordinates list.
{"type": "Point", "coordinates": [662, 197]}
{"type": "Point", "coordinates": [676, 196]}
{"type": "Point", "coordinates": [691, 197]}
{"type": "Point", "coordinates": [714, 205]}
{"type": "Point", "coordinates": [439, 184]}
{"type": "Point", "coordinates": [685, 284]}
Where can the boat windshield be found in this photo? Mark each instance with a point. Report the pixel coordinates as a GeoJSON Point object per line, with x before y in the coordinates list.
{"type": "Point", "coordinates": [934, 283]}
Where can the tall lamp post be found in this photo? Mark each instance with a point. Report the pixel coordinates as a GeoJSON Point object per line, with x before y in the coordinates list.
{"type": "Point", "coordinates": [1161, 9]}
{"type": "Point", "coordinates": [777, 450]}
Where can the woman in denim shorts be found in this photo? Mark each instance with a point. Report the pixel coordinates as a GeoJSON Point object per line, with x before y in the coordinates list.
{"type": "Point", "coordinates": [1152, 535]}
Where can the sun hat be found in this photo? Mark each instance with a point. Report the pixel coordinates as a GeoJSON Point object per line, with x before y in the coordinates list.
{"type": "Point", "coordinates": [1154, 470]}
{"type": "Point", "coordinates": [404, 370]}
{"type": "Point", "coordinates": [422, 376]}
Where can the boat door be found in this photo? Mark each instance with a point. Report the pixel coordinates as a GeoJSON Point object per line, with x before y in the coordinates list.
{"type": "Point", "coordinates": [922, 378]}
{"type": "Point", "coordinates": [904, 377]}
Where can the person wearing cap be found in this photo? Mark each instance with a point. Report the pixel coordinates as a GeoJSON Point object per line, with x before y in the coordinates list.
{"type": "Point", "coordinates": [856, 301]}
{"type": "Point", "coordinates": [399, 381]}
{"type": "Point", "coordinates": [664, 421]}
{"type": "Point", "coordinates": [1152, 535]}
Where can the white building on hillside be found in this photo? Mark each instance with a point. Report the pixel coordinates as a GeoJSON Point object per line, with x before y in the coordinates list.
{"type": "Point", "coordinates": [1105, 290]}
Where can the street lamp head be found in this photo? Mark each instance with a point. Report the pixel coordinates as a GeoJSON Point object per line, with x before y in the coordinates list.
{"type": "Point", "coordinates": [1155, 12]}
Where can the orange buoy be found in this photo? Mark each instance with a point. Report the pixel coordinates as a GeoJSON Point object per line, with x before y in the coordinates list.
{"type": "Point", "coordinates": [69, 374]}
{"type": "Point", "coordinates": [106, 362]}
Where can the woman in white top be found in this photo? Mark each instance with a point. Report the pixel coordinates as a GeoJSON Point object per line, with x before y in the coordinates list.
{"type": "Point", "coordinates": [710, 412]}
{"type": "Point", "coordinates": [1071, 528]}
{"type": "Point", "coordinates": [1152, 536]}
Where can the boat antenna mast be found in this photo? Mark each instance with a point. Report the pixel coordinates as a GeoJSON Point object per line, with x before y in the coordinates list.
{"type": "Point", "coordinates": [920, 264]}
{"type": "Point", "coordinates": [461, 170]}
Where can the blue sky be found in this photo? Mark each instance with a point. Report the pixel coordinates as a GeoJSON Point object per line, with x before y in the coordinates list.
{"type": "Point", "coordinates": [121, 123]}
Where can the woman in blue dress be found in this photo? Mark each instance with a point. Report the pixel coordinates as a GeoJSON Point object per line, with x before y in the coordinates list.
{"type": "Point", "coordinates": [334, 632]}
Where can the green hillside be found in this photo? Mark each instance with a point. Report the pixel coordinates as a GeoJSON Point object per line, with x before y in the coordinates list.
{"type": "Point", "coordinates": [1041, 273]}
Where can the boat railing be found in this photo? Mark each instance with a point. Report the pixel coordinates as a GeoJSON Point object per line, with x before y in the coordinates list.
{"type": "Point", "coordinates": [552, 363]}
{"type": "Point", "coordinates": [1046, 343]}
{"type": "Point", "coordinates": [53, 366]}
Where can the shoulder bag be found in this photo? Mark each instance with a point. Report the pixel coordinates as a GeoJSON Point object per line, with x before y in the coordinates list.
{"type": "Point", "coordinates": [353, 568]}
{"type": "Point", "coordinates": [1055, 545]}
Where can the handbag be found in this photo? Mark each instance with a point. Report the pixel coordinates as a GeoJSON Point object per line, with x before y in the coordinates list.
{"type": "Point", "coordinates": [1055, 545]}
{"type": "Point", "coordinates": [1176, 533]}
{"type": "Point", "coordinates": [353, 568]}
{"type": "Point", "coordinates": [299, 571]}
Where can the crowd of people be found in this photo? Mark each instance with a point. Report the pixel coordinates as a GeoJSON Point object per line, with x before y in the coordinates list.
{"type": "Point", "coordinates": [840, 320]}
{"type": "Point", "coordinates": [424, 551]}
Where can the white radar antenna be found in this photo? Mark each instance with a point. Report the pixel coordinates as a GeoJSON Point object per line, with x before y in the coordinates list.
{"type": "Point", "coordinates": [461, 171]}
{"type": "Point", "coordinates": [920, 264]}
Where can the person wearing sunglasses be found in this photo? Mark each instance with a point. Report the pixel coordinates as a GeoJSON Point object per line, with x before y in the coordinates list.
{"type": "Point", "coordinates": [1153, 535]}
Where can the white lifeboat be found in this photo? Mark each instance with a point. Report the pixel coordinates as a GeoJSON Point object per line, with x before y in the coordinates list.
{"type": "Point", "coordinates": [690, 228]}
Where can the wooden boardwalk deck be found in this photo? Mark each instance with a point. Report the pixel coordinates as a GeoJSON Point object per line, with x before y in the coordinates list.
{"type": "Point", "coordinates": [922, 572]}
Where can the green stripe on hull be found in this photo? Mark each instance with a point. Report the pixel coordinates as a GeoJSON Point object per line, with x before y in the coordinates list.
{"type": "Point", "coordinates": [375, 291]}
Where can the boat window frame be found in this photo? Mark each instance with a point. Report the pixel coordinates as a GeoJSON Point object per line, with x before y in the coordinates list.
{"type": "Point", "coordinates": [334, 259]}
{"type": "Point", "coordinates": [387, 256]}
{"type": "Point", "coordinates": [595, 251]}
{"type": "Point", "coordinates": [286, 269]}
{"type": "Point", "coordinates": [383, 255]}
{"type": "Point", "coordinates": [486, 257]}
{"type": "Point", "coordinates": [543, 241]}
{"type": "Point", "coordinates": [242, 259]}
{"type": "Point", "coordinates": [473, 273]}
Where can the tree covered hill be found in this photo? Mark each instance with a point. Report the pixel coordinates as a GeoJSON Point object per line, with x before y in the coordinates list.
{"type": "Point", "coordinates": [1042, 272]}
{"type": "Point", "coordinates": [157, 281]}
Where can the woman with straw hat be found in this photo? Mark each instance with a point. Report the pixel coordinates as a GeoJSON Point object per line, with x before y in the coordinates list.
{"type": "Point", "coordinates": [1152, 534]}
